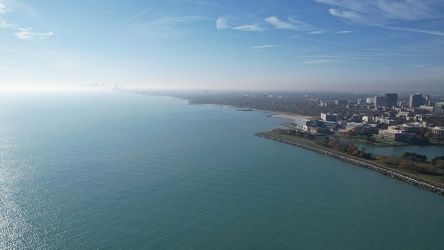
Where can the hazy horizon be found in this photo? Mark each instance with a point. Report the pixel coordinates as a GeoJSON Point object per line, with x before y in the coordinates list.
{"type": "Point", "coordinates": [234, 45]}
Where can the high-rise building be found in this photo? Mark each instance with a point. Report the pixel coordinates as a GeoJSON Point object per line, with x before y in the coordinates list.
{"type": "Point", "coordinates": [381, 101]}
{"type": "Point", "coordinates": [427, 100]}
{"type": "Point", "coordinates": [361, 101]}
{"type": "Point", "coordinates": [370, 100]}
{"type": "Point", "coordinates": [439, 108]}
{"type": "Point", "coordinates": [417, 100]}
{"type": "Point", "coordinates": [392, 99]}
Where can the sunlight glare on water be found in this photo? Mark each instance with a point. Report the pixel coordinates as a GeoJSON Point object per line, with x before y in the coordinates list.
{"type": "Point", "coordinates": [15, 230]}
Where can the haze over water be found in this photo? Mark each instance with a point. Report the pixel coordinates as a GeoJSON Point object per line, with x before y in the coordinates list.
{"type": "Point", "coordinates": [139, 172]}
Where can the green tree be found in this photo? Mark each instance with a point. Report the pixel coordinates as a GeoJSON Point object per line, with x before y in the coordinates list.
{"type": "Point", "coordinates": [407, 164]}
{"type": "Point", "coordinates": [428, 134]}
{"type": "Point", "coordinates": [413, 157]}
{"type": "Point", "coordinates": [436, 159]}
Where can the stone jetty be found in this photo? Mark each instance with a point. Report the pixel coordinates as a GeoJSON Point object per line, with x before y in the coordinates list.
{"type": "Point", "coordinates": [384, 171]}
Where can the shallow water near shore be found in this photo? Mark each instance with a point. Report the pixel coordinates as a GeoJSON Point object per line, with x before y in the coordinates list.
{"type": "Point", "coordinates": [133, 171]}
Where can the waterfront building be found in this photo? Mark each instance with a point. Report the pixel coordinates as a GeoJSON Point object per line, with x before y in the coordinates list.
{"type": "Point", "coordinates": [330, 125]}
{"type": "Point", "coordinates": [315, 129]}
{"type": "Point", "coordinates": [329, 117]}
{"type": "Point", "coordinates": [393, 133]}
{"type": "Point", "coordinates": [361, 129]}
{"type": "Point", "coordinates": [319, 126]}
{"type": "Point", "coordinates": [439, 131]}
{"type": "Point", "coordinates": [412, 128]}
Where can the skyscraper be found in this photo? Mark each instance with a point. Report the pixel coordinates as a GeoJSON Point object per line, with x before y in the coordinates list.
{"type": "Point", "coordinates": [381, 101]}
{"type": "Point", "coordinates": [417, 100]}
{"type": "Point", "coordinates": [392, 99]}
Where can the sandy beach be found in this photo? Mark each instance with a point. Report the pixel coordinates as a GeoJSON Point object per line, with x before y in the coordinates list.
{"type": "Point", "coordinates": [277, 114]}
{"type": "Point", "coordinates": [292, 116]}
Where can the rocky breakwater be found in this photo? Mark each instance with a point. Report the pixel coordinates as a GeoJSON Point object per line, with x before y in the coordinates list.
{"type": "Point", "coordinates": [384, 171]}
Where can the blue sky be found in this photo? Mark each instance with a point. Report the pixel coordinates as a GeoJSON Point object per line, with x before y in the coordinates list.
{"type": "Point", "coordinates": [209, 44]}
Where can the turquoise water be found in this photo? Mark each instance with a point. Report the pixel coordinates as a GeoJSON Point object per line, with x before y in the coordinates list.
{"type": "Point", "coordinates": [116, 171]}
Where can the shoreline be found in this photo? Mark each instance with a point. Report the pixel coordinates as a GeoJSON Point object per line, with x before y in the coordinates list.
{"type": "Point", "coordinates": [390, 173]}
{"type": "Point", "coordinates": [281, 114]}
{"type": "Point", "coordinates": [291, 116]}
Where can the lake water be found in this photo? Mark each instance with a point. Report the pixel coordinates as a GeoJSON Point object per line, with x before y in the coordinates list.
{"type": "Point", "coordinates": [120, 171]}
{"type": "Point", "coordinates": [429, 151]}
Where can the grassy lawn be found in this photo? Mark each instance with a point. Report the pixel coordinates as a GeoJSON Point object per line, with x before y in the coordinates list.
{"type": "Point", "coordinates": [378, 142]}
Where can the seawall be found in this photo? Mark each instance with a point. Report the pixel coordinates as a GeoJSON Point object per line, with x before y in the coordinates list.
{"type": "Point", "coordinates": [384, 171]}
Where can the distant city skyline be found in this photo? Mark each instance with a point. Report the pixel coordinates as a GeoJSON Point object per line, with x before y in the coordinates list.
{"type": "Point", "coordinates": [384, 45]}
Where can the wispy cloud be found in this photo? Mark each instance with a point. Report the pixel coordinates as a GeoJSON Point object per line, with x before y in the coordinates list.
{"type": "Point", "coordinates": [253, 27]}
{"type": "Point", "coordinates": [27, 34]}
{"type": "Point", "coordinates": [430, 32]}
{"type": "Point", "coordinates": [316, 32]}
{"type": "Point", "coordinates": [352, 16]}
{"type": "Point", "coordinates": [387, 13]}
{"type": "Point", "coordinates": [293, 24]}
{"type": "Point", "coordinates": [383, 10]}
{"type": "Point", "coordinates": [2, 8]}
{"type": "Point", "coordinates": [22, 33]}
{"type": "Point", "coordinates": [321, 61]}
{"type": "Point", "coordinates": [328, 42]}
{"type": "Point", "coordinates": [348, 51]}
{"type": "Point", "coordinates": [131, 18]}
{"type": "Point", "coordinates": [266, 46]}
{"type": "Point", "coordinates": [3, 23]}
{"type": "Point", "coordinates": [177, 20]}
{"type": "Point", "coordinates": [222, 23]}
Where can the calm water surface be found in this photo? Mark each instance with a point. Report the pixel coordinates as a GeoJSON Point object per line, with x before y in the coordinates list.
{"type": "Point", "coordinates": [116, 171]}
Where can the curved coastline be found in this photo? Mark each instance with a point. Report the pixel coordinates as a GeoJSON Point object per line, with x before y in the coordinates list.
{"type": "Point", "coordinates": [384, 171]}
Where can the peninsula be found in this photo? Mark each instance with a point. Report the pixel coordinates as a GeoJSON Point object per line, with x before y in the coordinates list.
{"type": "Point", "coordinates": [416, 174]}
